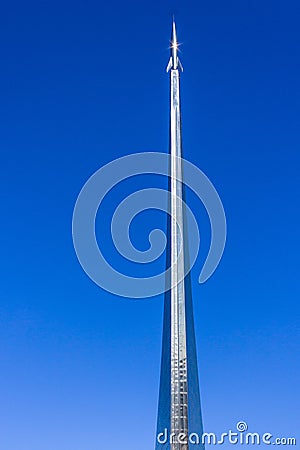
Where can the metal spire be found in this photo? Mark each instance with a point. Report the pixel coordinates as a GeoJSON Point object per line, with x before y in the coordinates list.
{"type": "Point", "coordinates": [179, 402]}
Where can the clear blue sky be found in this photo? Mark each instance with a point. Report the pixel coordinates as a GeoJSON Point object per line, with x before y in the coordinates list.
{"type": "Point", "coordinates": [83, 83]}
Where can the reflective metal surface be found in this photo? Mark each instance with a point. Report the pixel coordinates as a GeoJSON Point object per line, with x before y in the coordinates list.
{"type": "Point", "coordinates": [179, 401]}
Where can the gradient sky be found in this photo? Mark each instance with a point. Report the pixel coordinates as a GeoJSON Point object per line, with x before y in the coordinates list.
{"type": "Point", "coordinates": [83, 83]}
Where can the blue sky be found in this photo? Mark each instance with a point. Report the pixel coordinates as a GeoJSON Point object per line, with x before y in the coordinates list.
{"type": "Point", "coordinates": [83, 83]}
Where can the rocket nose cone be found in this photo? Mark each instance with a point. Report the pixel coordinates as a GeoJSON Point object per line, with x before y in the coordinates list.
{"type": "Point", "coordinates": [174, 37]}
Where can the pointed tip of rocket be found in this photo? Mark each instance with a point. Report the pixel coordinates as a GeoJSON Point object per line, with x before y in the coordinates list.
{"type": "Point", "coordinates": [174, 61]}
{"type": "Point", "coordinates": [174, 35]}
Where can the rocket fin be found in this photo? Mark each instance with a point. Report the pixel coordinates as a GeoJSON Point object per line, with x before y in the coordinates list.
{"type": "Point", "coordinates": [169, 64]}
{"type": "Point", "coordinates": [179, 64]}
